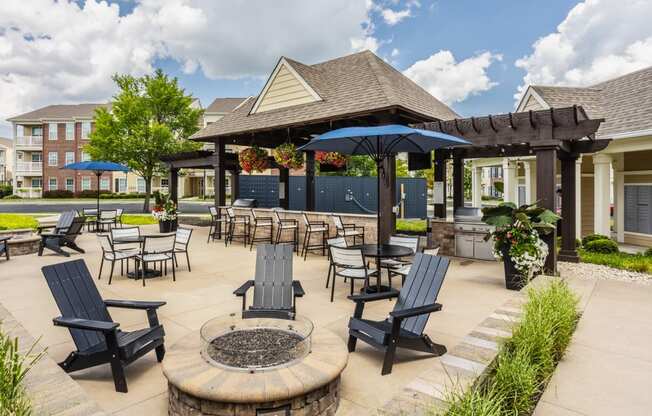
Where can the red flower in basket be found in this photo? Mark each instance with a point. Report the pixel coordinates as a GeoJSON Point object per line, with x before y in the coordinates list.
{"type": "Point", "coordinates": [330, 158]}
{"type": "Point", "coordinates": [253, 159]}
{"type": "Point", "coordinates": [286, 155]}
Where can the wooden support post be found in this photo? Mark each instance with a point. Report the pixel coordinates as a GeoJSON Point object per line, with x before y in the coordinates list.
{"type": "Point", "coordinates": [458, 183]}
{"type": "Point", "coordinates": [546, 174]}
{"type": "Point", "coordinates": [284, 188]}
{"type": "Point", "coordinates": [568, 250]}
{"type": "Point", "coordinates": [310, 181]}
{"type": "Point", "coordinates": [173, 185]}
{"type": "Point", "coordinates": [220, 174]}
{"type": "Point", "coordinates": [387, 199]}
{"type": "Point", "coordinates": [235, 185]}
{"type": "Point", "coordinates": [439, 190]}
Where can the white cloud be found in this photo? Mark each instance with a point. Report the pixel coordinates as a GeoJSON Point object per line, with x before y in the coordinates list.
{"type": "Point", "coordinates": [392, 17]}
{"type": "Point", "coordinates": [451, 81]}
{"type": "Point", "coordinates": [598, 40]}
{"type": "Point", "coordinates": [60, 52]}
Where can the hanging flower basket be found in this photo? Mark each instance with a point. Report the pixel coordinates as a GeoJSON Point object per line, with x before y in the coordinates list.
{"type": "Point", "coordinates": [253, 159]}
{"type": "Point", "coordinates": [286, 155]}
{"type": "Point", "coordinates": [330, 161]}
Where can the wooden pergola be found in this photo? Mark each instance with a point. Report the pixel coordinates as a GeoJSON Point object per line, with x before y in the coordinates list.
{"type": "Point", "coordinates": [548, 135]}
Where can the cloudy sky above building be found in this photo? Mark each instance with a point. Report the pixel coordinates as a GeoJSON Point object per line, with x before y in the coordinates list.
{"type": "Point", "coordinates": [476, 56]}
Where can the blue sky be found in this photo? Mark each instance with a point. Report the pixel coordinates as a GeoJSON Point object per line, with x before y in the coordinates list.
{"type": "Point", "coordinates": [476, 56]}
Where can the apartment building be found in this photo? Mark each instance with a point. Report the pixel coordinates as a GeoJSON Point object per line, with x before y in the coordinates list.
{"type": "Point", "coordinates": [6, 160]}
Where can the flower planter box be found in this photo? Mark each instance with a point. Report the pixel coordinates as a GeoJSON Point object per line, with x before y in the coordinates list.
{"type": "Point", "coordinates": [168, 226]}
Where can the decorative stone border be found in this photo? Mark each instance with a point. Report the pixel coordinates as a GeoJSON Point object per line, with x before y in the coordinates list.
{"type": "Point", "coordinates": [51, 391]}
{"type": "Point", "coordinates": [23, 241]}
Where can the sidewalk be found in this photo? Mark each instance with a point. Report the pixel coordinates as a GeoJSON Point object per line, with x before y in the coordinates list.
{"type": "Point", "coordinates": [607, 369]}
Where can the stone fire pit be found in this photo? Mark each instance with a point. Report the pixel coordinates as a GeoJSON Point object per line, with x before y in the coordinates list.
{"type": "Point", "coordinates": [237, 366]}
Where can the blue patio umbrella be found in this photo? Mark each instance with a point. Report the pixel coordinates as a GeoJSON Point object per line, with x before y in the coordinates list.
{"type": "Point", "coordinates": [381, 142]}
{"type": "Point", "coordinates": [98, 167]}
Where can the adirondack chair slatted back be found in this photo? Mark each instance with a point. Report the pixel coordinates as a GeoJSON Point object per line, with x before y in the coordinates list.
{"type": "Point", "coordinates": [421, 287]}
{"type": "Point", "coordinates": [76, 296]}
{"type": "Point", "coordinates": [75, 228]}
{"type": "Point", "coordinates": [65, 220]}
{"type": "Point", "coordinates": [273, 281]}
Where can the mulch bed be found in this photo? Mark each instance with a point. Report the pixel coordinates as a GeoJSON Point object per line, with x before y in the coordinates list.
{"type": "Point", "coordinates": [255, 348]}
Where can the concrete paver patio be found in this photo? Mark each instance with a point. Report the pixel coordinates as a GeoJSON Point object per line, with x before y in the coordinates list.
{"type": "Point", "coordinates": [471, 291]}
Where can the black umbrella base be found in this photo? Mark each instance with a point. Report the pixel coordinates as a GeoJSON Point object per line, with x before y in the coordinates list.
{"type": "Point", "coordinates": [149, 274]}
{"type": "Point", "coordinates": [374, 289]}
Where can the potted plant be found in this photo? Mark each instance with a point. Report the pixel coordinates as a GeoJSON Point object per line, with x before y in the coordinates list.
{"type": "Point", "coordinates": [253, 159]}
{"type": "Point", "coordinates": [165, 211]}
{"type": "Point", "coordinates": [287, 156]}
{"type": "Point", "coordinates": [330, 161]}
{"type": "Point", "coordinates": [517, 239]}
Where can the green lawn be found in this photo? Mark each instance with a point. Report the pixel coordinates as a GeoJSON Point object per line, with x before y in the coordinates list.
{"type": "Point", "coordinates": [17, 221]}
{"type": "Point", "coordinates": [625, 261]}
{"type": "Point", "coordinates": [417, 226]}
{"type": "Point", "coordinates": [138, 219]}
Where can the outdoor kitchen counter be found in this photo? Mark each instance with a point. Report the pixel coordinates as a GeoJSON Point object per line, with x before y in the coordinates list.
{"type": "Point", "coordinates": [461, 238]}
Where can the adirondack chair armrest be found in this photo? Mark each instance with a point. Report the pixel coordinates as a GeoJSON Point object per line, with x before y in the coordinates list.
{"type": "Point", "coordinates": [49, 235]}
{"type": "Point", "coordinates": [242, 290]}
{"type": "Point", "coordinates": [297, 289]}
{"type": "Point", "coordinates": [76, 323]}
{"type": "Point", "coordinates": [133, 304]}
{"type": "Point", "coordinates": [42, 228]}
{"type": "Point", "coordinates": [421, 310]}
{"type": "Point", "coordinates": [370, 297]}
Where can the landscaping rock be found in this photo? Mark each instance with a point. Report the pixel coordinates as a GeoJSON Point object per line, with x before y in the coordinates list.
{"type": "Point", "coordinates": [598, 271]}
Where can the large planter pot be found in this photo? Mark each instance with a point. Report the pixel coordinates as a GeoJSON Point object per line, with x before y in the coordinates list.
{"type": "Point", "coordinates": [167, 226]}
{"type": "Point", "coordinates": [514, 280]}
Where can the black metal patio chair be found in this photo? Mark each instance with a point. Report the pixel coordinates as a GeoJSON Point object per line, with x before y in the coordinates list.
{"type": "Point", "coordinates": [232, 223]}
{"type": "Point", "coordinates": [97, 337]}
{"type": "Point", "coordinates": [110, 254]}
{"type": "Point", "coordinates": [411, 242]}
{"type": "Point", "coordinates": [261, 223]}
{"type": "Point", "coordinates": [275, 292]}
{"type": "Point", "coordinates": [349, 263]}
{"type": "Point", "coordinates": [64, 237]}
{"type": "Point", "coordinates": [405, 324]}
{"type": "Point", "coordinates": [215, 228]}
{"type": "Point", "coordinates": [157, 249]}
{"type": "Point", "coordinates": [348, 230]}
{"type": "Point", "coordinates": [314, 227]}
{"type": "Point", "coordinates": [285, 226]}
{"type": "Point", "coordinates": [181, 242]}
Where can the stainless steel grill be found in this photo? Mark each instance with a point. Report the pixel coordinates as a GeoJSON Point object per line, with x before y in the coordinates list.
{"type": "Point", "coordinates": [470, 232]}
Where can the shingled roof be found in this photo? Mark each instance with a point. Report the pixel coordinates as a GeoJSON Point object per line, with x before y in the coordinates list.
{"type": "Point", "coordinates": [61, 112]}
{"type": "Point", "coordinates": [357, 83]}
{"type": "Point", "coordinates": [224, 105]}
{"type": "Point", "coordinates": [625, 102]}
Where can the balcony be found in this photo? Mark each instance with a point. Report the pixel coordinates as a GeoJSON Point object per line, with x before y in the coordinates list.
{"type": "Point", "coordinates": [29, 142]}
{"type": "Point", "coordinates": [28, 192]}
{"type": "Point", "coordinates": [29, 168]}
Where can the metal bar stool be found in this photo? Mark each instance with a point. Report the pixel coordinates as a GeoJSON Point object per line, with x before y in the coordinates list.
{"type": "Point", "coordinates": [233, 221]}
{"type": "Point", "coordinates": [288, 224]}
{"type": "Point", "coordinates": [261, 222]}
{"type": "Point", "coordinates": [215, 229]}
{"type": "Point", "coordinates": [314, 227]}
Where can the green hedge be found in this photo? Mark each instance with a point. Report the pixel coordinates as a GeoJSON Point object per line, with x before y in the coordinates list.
{"type": "Point", "coordinates": [122, 196]}
{"type": "Point", "coordinates": [601, 246]}
{"type": "Point", "coordinates": [594, 237]}
{"type": "Point", "coordinates": [525, 361]}
{"type": "Point", "coordinates": [59, 193]}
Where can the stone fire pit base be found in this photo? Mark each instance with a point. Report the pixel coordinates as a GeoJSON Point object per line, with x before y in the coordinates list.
{"type": "Point", "coordinates": [307, 387]}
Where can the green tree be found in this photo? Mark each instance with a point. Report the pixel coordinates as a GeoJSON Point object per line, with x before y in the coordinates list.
{"type": "Point", "coordinates": [151, 116]}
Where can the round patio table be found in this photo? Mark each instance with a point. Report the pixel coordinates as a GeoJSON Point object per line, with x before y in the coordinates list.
{"type": "Point", "coordinates": [149, 273]}
{"type": "Point", "coordinates": [379, 252]}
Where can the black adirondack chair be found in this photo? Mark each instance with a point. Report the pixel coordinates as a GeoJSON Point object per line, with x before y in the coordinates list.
{"type": "Point", "coordinates": [63, 223]}
{"type": "Point", "coordinates": [275, 292]}
{"type": "Point", "coordinates": [96, 336]}
{"type": "Point", "coordinates": [60, 238]}
{"type": "Point", "coordinates": [405, 324]}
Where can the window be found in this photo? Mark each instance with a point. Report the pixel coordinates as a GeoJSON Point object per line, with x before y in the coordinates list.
{"type": "Point", "coordinates": [70, 131]}
{"type": "Point", "coordinates": [86, 183]}
{"type": "Point", "coordinates": [85, 129]}
{"type": "Point", "coordinates": [104, 184]}
{"type": "Point", "coordinates": [141, 185]}
{"type": "Point", "coordinates": [37, 157]}
{"type": "Point", "coordinates": [53, 159]}
{"type": "Point", "coordinates": [20, 131]}
{"type": "Point", "coordinates": [85, 157]}
{"type": "Point", "coordinates": [37, 183]}
{"type": "Point", "coordinates": [52, 131]}
{"type": "Point", "coordinates": [70, 184]}
{"type": "Point", "coordinates": [52, 184]}
{"type": "Point", "coordinates": [121, 185]}
{"type": "Point", "coordinates": [164, 182]}
{"type": "Point", "coordinates": [37, 131]}
{"type": "Point", "coordinates": [70, 157]}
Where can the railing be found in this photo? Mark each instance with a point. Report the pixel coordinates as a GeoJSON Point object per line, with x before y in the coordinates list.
{"type": "Point", "coordinates": [32, 167]}
{"type": "Point", "coordinates": [28, 192]}
{"type": "Point", "coordinates": [29, 141]}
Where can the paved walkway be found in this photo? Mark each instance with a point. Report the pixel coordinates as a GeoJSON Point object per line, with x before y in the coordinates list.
{"type": "Point", "coordinates": [608, 367]}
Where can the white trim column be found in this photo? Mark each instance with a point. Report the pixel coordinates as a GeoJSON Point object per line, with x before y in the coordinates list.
{"type": "Point", "coordinates": [510, 183]}
{"type": "Point", "coordinates": [530, 167]}
{"type": "Point", "coordinates": [619, 196]}
{"type": "Point", "coordinates": [578, 197]}
{"type": "Point", "coordinates": [602, 192]}
{"type": "Point", "coordinates": [476, 185]}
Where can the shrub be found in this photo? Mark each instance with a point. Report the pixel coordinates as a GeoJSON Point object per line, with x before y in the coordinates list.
{"type": "Point", "coordinates": [13, 197]}
{"type": "Point", "coordinates": [648, 252]}
{"type": "Point", "coordinates": [122, 196]}
{"type": "Point", "coordinates": [478, 401]}
{"type": "Point", "coordinates": [89, 193]}
{"type": "Point", "coordinates": [516, 380]}
{"type": "Point", "coordinates": [6, 190]}
{"type": "Point", "coordinates": [602, 246]}
{"type": "Point", "coordinates": [593, 237]}
{"type": "Point", "coordinates": [59, 193]}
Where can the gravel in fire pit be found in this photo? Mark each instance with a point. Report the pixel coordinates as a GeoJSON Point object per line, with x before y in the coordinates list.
{"type": "Point", "coordinates": [256, 348]}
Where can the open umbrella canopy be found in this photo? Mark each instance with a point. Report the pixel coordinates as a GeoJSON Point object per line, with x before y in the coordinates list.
{"type": "Point", "coordinates": [97, 166]}
{"type": "Point", "coordinates": [382, 141]}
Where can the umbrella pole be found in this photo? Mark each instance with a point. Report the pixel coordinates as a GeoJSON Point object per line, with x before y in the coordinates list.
{"type": "Point", "coordinates": [98, 193]}
{"type": "Point", "coordinates": [378, 183]}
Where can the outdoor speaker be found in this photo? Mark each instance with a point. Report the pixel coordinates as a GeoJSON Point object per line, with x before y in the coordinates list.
{"type": "Point", "coordinates": [418, 161]}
